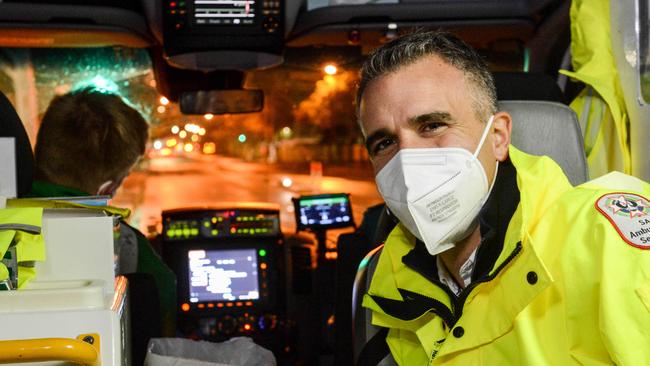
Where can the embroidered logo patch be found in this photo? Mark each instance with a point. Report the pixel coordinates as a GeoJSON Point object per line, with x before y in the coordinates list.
{"type": "Point", "coordinates": [630, 216]}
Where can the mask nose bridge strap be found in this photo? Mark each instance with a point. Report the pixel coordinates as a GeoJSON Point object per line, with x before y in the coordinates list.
{"type": "Point", "coordinates": [483, 137]}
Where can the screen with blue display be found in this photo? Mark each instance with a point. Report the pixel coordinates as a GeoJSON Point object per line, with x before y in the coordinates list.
{"type": "Point", "coordinates": [224, 12]}
{"type": "Point", "coordinates": [324, 211]}
{"type": "Point", "coordinates": [223, 275]}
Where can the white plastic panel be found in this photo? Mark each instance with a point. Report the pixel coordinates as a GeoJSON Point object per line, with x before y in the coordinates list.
{"type": "Point", "coordinates": [79, 246]}
{"type": "Point", "coordinates": [7, 167]}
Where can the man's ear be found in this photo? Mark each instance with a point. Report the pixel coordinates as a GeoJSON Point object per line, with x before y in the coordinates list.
{"type": "Point", "coordinates": [108, 188]}
{"type": "Point", "coordinates": [501, 128]}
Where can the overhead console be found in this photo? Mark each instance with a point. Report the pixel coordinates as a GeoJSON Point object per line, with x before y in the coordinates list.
{"type": "Point", "coordinates": [212, 35]}
{"type": "Point", "coordinates": [72, 23]}
{"type": "Point", "coordinates": [371, 24]}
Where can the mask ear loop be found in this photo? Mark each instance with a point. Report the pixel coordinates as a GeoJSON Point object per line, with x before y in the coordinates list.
{"type": "Point", "coordinates": [483, 137]}
{"type": "Point", "coordinates": [478, 149]}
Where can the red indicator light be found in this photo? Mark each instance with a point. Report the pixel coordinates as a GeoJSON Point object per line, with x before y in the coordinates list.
{"type": "Point", "coordinates": [219, 305]}
{"type": "Point", "coordinates": [239, 304]}
{"type": "Point", "coordinates": [172, 4]}
{"type": "Point", "coordinates": [185, 307]}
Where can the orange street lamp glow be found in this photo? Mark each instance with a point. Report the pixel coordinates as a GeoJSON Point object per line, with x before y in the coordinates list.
{"type": "Point", "coordinates": [208, 116]}
{"type": "Point", "coordinates": [330, 69]}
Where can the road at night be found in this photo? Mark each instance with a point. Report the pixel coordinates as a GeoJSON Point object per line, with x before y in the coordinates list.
{"type": "Point", "coordinates": [174, 182]}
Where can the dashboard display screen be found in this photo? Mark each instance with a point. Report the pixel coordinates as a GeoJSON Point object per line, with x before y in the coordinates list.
{"type": "Point", "coordinates": [224, 12]}
{"type": "Point", "coordinates": [324, 211]}
{"type": "Point", "coordinates": [223, 275]}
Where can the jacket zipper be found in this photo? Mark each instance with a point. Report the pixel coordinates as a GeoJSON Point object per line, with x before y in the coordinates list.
{"type": "Point", "coordinates": [458, 302]}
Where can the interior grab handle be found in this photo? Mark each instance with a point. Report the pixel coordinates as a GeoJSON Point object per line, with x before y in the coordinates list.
{"type": "Point", "coordinates": [83, 350]}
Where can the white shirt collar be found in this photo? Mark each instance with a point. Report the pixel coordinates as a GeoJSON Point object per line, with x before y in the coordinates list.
{"type": "Point", "coordinates": [465, 273]}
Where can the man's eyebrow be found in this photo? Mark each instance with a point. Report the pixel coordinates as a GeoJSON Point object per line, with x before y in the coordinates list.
{"type": "Point", "coordinates": [375, 136]}
{"type": "Point", "coordinates": [442, 117]}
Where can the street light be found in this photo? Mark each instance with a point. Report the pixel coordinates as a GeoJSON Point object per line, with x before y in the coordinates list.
{"type": "Point", "coordinates": [330, 69]}
{"type": "Point", "coordinates": [286, 132]}
{"type": "Point", "coordinates": [164, 100]}
{"type": "Point", "coordinates": [208, 116]}
{"type": "Point", "coordinates": [175, 129]}
{"type": "Point", "coordinates": [242, 138]}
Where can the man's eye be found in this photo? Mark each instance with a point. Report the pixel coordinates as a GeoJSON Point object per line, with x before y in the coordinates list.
{"type": "Point", "coordinates": [381, 145]}
{"type": "Point", "coordinates": [431, 126]}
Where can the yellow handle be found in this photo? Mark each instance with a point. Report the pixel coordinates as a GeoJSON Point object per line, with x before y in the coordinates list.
{"type": "Point", "coordinates": [83, 350]}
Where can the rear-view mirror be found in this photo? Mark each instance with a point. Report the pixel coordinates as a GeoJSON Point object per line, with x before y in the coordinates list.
{"type": "Point", "coordinates": [222, 101]}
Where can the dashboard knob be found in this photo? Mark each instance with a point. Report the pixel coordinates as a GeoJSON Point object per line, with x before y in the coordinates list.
{"type": "Point", "coordinates": [227, 325]}
{"type": "Point", "coordinates": [267, 322]}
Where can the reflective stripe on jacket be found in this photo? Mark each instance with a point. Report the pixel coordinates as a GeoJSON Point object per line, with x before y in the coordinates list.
{"type": "Point", "coordinates": [566, 289]}
{"type": "Point", "coordinates": [22, 227]}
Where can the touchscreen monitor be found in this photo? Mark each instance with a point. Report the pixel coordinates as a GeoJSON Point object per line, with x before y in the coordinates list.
{"type": "Point", "coordinates": [323, 211]}
{"type": "Point", "coordinates": [223, 275]}
{"type": "Point", "coordinates": [224, 12]}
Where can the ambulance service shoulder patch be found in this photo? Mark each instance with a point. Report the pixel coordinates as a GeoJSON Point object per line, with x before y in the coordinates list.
{"type": "Point", "coordinates": [630, 216]}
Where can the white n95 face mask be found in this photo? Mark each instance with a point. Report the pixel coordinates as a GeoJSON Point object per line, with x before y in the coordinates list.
{"type": "Point", "coordinates": [436, 193]}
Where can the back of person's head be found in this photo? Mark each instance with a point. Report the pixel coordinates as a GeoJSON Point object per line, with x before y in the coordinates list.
{"type": "Point", "coordinates": [87, 138]}
{"type": "Point", "coordinates": [410, 48]}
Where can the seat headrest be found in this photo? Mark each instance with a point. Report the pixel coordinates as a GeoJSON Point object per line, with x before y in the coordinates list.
{"type": "Point", "coordinates": [11, 126]}
{"type": "Point", "coordinates": [549, 128]}
{"type": "Point", "coordinates": [527, 86]}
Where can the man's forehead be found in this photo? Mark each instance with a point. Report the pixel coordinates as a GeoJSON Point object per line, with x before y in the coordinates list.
{"type": "Point", "coordinates": [427, 86]}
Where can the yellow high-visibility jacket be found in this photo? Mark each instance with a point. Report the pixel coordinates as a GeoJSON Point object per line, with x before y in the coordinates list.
{"type": "Point", "coordinates": [22, 227]}
{"type": "Point", "coordinates": [600, 107]}
{"type": "Point", "coordinates": [571, 285]}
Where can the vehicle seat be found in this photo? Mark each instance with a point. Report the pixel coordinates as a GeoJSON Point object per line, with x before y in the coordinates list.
{"type": "Point", "coordinates": [12, 126]}
{"type": "Point", "coordinates": [538, 128]}
{"type": "Point", "coordinates": [517, 86]}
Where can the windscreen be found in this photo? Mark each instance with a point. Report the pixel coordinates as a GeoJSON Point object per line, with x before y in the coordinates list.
{"type": "Point", "coordinates": [223, 275]}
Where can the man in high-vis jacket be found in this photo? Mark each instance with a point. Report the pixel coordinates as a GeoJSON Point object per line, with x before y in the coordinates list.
{"type": "Point", "coordinates": [497, 259]}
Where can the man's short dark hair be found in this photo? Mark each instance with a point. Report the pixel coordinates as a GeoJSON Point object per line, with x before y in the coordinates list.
{"type": "Point", "coordinates": [412, 47]}
{"type": "Point", "coordinates": [88, 137]}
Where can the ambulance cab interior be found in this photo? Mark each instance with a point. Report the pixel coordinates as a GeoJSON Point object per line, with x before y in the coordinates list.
{"type": "Point", "coordinates": [302, 299]}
